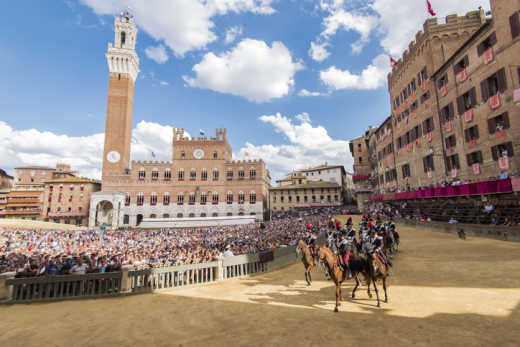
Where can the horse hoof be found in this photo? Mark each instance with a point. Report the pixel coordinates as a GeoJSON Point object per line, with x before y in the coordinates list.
{"type": "Point", "coordinates": [336, 309]}
{"type": "Point", "coordinates": [386, 301]}
{"type": "Point", "coordinates": [370, 295]}
{"type": "Point", "coordinates": [353, 296]}
{"type": "Point", "coordinates": [378, 305]}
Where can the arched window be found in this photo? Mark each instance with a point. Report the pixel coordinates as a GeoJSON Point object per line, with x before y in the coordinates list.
{"type": "Point", "coordinates": [191, 215]}
{"type": "Point", "coordinates": [166, 215]}
{"type": "Point", "coordinates": [192, 198]}
{"type": "Point", "coordinates": [215, 214]}
{"type": "Point", "coordinates": [153, 216]}
{"type": "Point", "coordinates": [252, 174]}
{"type": "Point", "coordinates": [180, 199]}
{"type": "Point", "coordinates": [126, 219]}
{"type": "Point", "coordinates": [140, 199]}
{"type": "Point", "coordinates": [203, 214]}
{"type": "Point", "coordinates": [167, 174]}
{"type": "Point", "coordinates": [179, 215]}
{"type": "Point", "coordinates": [241, 198]}
{"type": "Point", "coordinates": [203, 198]}
{"type": "Point", "coordinates": [127, 199]}
{"type": "Point", "coordinates": [229, 214]}
{"type": "Point", "coordinates": [181, 175]}
{"type": "Point", "coordinates": [204, 175]}
{"type": "Point", "coordinates": [155, 174]}
{"type": "Point", "coordinates": [193, 175]}
{"type": "Point", "coordinates": [215, 155]}
{"type": "Point", "coordinates": [215, 198]}
{"type": "Point", "coordinates": [215, 175]}
{"type": "Point", "coordinates": [229, 198]}
{"type": "Point", "coordinates": [153, 199]}
{"type": "Point", "coordinates": [252, 198]}
{"type": "Point", "coordinates": [142, 174]}
{"type": "Point", "coordinates": [123, 38]}
{"type": "Point", "coordinates": [166, 198]}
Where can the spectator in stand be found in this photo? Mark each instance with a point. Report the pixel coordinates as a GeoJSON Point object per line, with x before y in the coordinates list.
{"type": "Point", "coordinates": [489, 208]}
{"type": "Point", "coordinates": [453, 220]}
{"type": "Point", "coordinates": [504, 175]}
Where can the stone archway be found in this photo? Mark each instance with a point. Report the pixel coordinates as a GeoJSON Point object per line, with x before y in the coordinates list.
{"type": "Point", "coordinates": [104, 213]}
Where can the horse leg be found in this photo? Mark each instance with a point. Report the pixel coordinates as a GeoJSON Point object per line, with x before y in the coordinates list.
{"type": "Point", "coordinates": [355, 287]}
{"type": "Point", "coordinates": [384, 287]}
{"type": "Point", "coordinates": [368, 289]}
{"type": "Point", "coordinates": [307, 278]}
{"type": "Point", "coordinates": [377, 292]}
{"type": "Point", "coordinates": [337, 296]}
{"type": "Point", "coordinates": [310, 278]}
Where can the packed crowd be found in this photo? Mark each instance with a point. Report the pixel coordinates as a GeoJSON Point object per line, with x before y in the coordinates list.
{"type": "Point", "coordinates": [48, 252]}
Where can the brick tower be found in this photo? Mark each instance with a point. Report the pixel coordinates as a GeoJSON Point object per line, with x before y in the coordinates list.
{"type": "Point", "coordinates": [123, 64]}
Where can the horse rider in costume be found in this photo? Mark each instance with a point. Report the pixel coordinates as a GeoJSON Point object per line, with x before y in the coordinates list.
{"type": "Point", "coordinates": [375, 245]}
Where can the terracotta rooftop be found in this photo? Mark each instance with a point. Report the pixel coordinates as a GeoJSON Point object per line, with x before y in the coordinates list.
{"type": "Point", "coordinates": [72, 180]}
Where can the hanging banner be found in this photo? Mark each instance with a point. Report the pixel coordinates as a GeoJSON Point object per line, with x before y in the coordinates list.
{"type": "Point", "coordinates": [476, 168]}
{"type": "Point", "coordinates": [468, 115]}
{"type": "Point", "coordinates": [454, 173]}
{"type": "Point", "coordinates": [503, 163]}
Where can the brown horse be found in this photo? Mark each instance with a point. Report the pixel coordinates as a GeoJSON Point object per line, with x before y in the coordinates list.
{"type": "Point", "coordinates": [338, 276]}
{"type": "Point", "coordinates": [308, 262]}
{"type": "Point", "coordinates": [377, 271]}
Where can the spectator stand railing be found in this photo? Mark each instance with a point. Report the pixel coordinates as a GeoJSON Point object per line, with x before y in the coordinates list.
{"type": "Point", "coordinates": [64, 287]}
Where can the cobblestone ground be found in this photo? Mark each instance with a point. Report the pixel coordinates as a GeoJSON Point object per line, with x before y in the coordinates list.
{"type": "Point", "coordinates": [443, 291]}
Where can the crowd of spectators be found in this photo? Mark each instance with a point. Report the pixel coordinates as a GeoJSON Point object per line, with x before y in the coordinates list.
{"type": "Point", "coordinates": [52, 252]}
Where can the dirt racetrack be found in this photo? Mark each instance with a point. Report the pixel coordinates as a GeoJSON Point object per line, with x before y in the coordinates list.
{"type": "Point", "coordinates": [443, 292]}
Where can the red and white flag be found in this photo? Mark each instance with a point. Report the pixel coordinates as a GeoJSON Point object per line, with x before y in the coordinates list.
{"type": "Point", "coordinates": [430, 8]}
{"type": "Point", "coordinates": [393, 63]}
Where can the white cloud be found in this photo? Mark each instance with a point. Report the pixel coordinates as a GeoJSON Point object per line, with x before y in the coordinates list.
{"type": "Point", "coordinates": [306, 93]}
{"type": "Point", "coordinates": [318, 51]}
{"type": "Point", "coordinates": [83, 153]}
{"type": "Point", "coordinates": [164, 83]}
{"type": "Point", "coordinates": [183, 25]}
{"type": "Point", "coordinates": [303, 117]}
{"type": "Point", "coordinates": [372, 77]}
{"type": "Point", "coordinates": [252, 70]}
{"type": "Point", "coordinates": [232, 33]}
{"type": "Point", "coordinates": [399, 22]}
{"type": "Point", "coordinates": [157, 54]}
{"type": "Point", "coordinates": [305, 146]}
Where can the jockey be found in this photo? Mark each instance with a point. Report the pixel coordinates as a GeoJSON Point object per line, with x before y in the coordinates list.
{"type": "Point", "coordinates": [377, 245]}
{"type": "Point", "coordinates": [331, 238]}
{"type": "Point", "coordinates": [345, 248]}
{"type": "Point", "coordinates": [310, 240]}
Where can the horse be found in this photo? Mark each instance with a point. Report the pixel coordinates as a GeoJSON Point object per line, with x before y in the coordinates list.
{"type": "Point", "coordinates": [308, 262]}
{"type": "Point", "coordinates": [376, 271]}
{"type": "Point", "coordinates": [388, 242]}
{"type": "Point", "coordinates": [338, 276]}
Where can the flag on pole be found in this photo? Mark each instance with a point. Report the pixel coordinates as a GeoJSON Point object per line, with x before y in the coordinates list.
{"type": "Point", "coordinates": [202, 132]}
{"type": "Point", "coordinates": [430, 8]}
{"type": "Point", "coordinates": [393, 63]}
{"type": "Point", "coordinates": [153, 154]}
{"type": "Point", "coordinates": [246, 154]}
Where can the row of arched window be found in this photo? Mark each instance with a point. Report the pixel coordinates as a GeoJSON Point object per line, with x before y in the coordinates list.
{"type": "Point", "coordinates": [167, 175]}
{"type": "Point", "coordinates": [191, 198]}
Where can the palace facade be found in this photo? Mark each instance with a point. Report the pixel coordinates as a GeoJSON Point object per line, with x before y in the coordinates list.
{"type": "Point", "coordinates": [201, 180]}
{"type": "Point", "coordinates": [455, 100]}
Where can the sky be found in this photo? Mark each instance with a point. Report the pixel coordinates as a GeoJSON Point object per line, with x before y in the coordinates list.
{"type": "Point", "coordinates": [292, 80]}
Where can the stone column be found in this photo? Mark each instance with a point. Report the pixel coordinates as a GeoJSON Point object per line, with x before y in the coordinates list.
{"type": "Point", "coordinates": [6, 292]}
{"type": "Point", "coordinates": [126, 284]}
{"type": "Point", "coordinates": [220, 270]}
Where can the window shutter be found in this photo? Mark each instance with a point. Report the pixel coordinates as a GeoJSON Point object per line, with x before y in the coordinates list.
{"type": "Point", "coordinates": [432, 164]}
{"type": "Point", "coordinates": [473, 96]}
{"type": "Point", "coordinates": [466, 61]}
{"type": "Point", "coordinates": [494, 152]}
{"type": "Point", "coordinates": [468, 158]}
{"type": "Point", "coordinates": [510, 152]}
{"type": "Point", "coordinates": [412, 136]}
{"type": "Point", "coordinates": [479, 155]}
{"type": "Point", "coordinates": [493, 39]}
{"type": "Point", "coordinates": [447, 141]}
{"type": "Point", "coordinates": [506, 120]}
{"type": "Point", "coordinates": [433, 124]}
{"type": "Point", "coordinates": [484, 90]}
{"type": "Point", "coordinates": [492, 125]}
{"type": "Point", "coordinates": [419, 131]}
{"type": "Point", "coordinates": [446, 78]}
{"type": "Point", "coordinates": [514, 21]}
{"type": "Point", "coordinates": [480, 49]}
{"type": "Point", "coordinates": [466, 135]}
{"type": "Point", "coordinates": [502, 82]}
{"type": "Point", "coordinates": [448, 163]}
{"type": "Point", "coordinates": [460, 105]}
{"type": "Point", "coordinates": [457, 164]}
{"type": "Point", "coordinates": [476, 132]}
{"type": "Point", "coordinates": [456, 69]}
{"type": "Point", "coordinates": [425, 165]}
{"type": "Point", "coordinates": [451, 111]}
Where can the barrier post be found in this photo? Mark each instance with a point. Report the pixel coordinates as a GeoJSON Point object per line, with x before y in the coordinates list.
{"type": "Point", "coordinates": [126, 285]}
{"type": "Point", "coordinates": [6, 292]}
{"type": "Point", "coordinates": [220, 270]}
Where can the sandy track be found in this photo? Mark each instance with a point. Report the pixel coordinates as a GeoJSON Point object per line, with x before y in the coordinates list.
{"type": "Point", "coordinates": [443, 291]}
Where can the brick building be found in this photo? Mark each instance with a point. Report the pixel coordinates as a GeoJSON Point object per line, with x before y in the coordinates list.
{"type": "Point", "coordinates": [202, 180]}
{"type": "Point", "coordinates": [6, 181]}
{"type": "Point", "coordinates": [67, 200]}
{"type": "Point", "coordinates": [454, 97]}
{"type": "Point", "coordinates": [297, 191]}
{"type": "Point", "coordinates": [332, 174]}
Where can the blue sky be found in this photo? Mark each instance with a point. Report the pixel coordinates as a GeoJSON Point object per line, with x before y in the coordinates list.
{"type": "Point", "coordinates": [279, 100]}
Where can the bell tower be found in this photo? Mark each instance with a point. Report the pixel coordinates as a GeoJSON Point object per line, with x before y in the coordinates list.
{"type": "Point", "coordinates": [123, 64]}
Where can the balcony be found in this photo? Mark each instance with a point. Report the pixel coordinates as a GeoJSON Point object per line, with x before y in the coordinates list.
{"type": "Point", "coordinates": [68, 214]}
{"type": "Point", "coordinates": [21, 212]}
{"type": "Point", "coordinates": [23, 201]}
